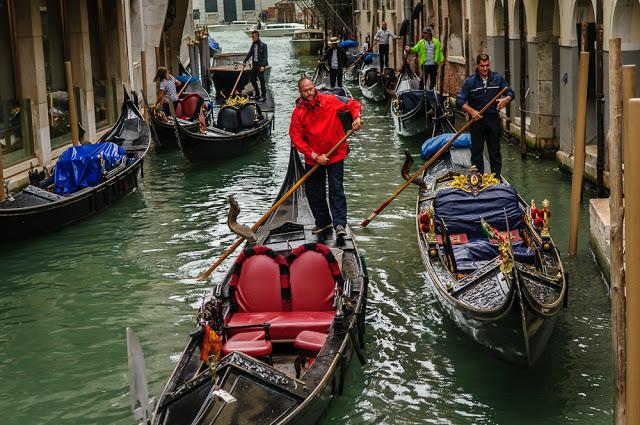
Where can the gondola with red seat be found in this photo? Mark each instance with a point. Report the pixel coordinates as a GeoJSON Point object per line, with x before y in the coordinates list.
{"type": "Point", "coordinates": [290, 296]}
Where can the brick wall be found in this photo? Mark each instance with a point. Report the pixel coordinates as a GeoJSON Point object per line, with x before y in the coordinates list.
{"type": "Point", "coordinates": [455, 76]}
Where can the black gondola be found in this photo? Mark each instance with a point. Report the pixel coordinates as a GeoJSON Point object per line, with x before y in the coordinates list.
{"type": "Point", "coordinates": [236, 131]}
{"type": "Point", "coordinates": [38, 209]}
{"type": "Point", "coordinates": [290, 297]}
{"type": "Point", "coordinates": [408, 107]}
{"type": "Point", "coordinates": [375, 85]}
{"type": "Point", "coordinates": [191, 100]}
{"type": "Point", "coordinates": [322, 81]}
{"type": "Point", "coordinates": [504, 292]}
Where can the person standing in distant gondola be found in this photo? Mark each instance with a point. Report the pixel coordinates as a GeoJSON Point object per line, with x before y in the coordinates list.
{"type": "Point", "coordinates": [430, 56]}
{"type": "Point", "coordinates": [259, 62]}
{"type": "Point", "coordinates": [477, 90]}
{"type": "Point", "coordinates": [336, 59]}
{"type": "Point", "coordinates": [383, 36]}
{"type": "Point", "coordinates": [168, 91]}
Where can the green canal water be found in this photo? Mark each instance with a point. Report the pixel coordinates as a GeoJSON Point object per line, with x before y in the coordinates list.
{"type": "Point", "coordinates": [65, 299]}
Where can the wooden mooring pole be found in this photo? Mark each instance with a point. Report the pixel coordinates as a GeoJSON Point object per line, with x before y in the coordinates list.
{"type": "Point", "coordinates": [2, 192]}
{"type": "Point", "coordinates": [73, 111]}
{"type": "Point", "coordinates": [599, 100]}
{"type": "Point", "coordinates": [143, 71]}
{"type": "Point", "coordinates": [523, 82]}
{"type": "Point", "coordinates": [507, 59]}
{"type": "Point", "coordinates": [579, 153]}
{"type": "Point", "coordinates": [632, 261]}
{"type": "Point", "coordinates": [616, 206]}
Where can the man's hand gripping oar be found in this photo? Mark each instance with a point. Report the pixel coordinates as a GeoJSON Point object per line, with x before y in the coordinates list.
{"type": "Point", "coordinates": [275, 206]}
{"type": "Point", "coordinates": [426, 165]}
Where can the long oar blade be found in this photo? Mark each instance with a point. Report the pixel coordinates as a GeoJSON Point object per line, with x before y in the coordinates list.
{"type": "Point", "coordinates": [426, 165]}
{"type": "Point", "coordinates": [138, 387]}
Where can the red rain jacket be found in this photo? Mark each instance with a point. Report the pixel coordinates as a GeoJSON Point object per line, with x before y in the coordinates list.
{"type": "Point", "coordinates": [315, 126]}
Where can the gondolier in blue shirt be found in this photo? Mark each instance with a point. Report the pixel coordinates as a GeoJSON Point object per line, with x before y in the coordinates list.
{"type": "Point", "coordinates": [478, 89]}
{"type": "Point", "coordinates": [258, 56]}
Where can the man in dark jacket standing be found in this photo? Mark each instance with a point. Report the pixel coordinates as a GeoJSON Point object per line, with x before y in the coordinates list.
{"type": "Point", "coordinates": [315, 128]}
{"type": "Point", "coordinates": [478, 89]}
{"type": "Point", "coordinates": [336, 59]}
{"type": "Point", "coordinates": [258, 56]}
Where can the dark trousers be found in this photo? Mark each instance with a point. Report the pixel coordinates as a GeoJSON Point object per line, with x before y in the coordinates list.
{"type": "Point", "coordinates": [316, 190]}
{"type": "Point", "coordinates": [256, 75]}
{"type": "Point", "coordinates": [383, 50]}
{"type": "Point", "coordinates": [429, 72]}
{"type": "Point", "coordinates": [335, 74]}
{"type": "Point", "coordinates": [486, 130]}
{"type": "Point", "coordinates": [167, 110]}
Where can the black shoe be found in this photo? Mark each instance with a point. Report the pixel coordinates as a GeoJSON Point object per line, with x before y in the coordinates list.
{"type": "Point", "coordinates": [340, 232]}
{"type": "Point", "coordinates": [320, 229]}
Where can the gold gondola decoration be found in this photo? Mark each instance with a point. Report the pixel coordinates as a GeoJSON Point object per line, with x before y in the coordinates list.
{"type": "Point", "coordinates": [474, 182]}
{"type": "Point", "coordinates": [504, 247]}
{"type": "Point", "coordinates": [540, 219]}
{"type": "Point", "coordinates": [428, 226]}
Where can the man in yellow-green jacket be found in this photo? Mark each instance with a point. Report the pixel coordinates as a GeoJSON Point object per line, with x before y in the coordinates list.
{"type": "Point", "coordinates": [430, 55]}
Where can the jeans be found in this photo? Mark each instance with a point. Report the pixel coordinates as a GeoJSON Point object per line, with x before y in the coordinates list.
{"type": "Point", "coordinates": [256, 75]}
{"type": "Point", "coordinates": [335, 74]}
{"type": "Point", "coordinates": [316, 190]}
{"type": "Point", "coordinates": [486, 130]}
{"type": "Point", "coordinates": [383, 50]}
{"type": "Point", "coordinates": [430, 72]}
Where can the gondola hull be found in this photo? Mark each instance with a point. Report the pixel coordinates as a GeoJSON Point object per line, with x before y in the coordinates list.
{"type": "Point", "coordinates": [261, 393]}
{"type": "Point", "coordinates": [35, 211]}
{"type": "Point", "coordinates": [511, 314]}
{"type": "Point", "coordinates": [164, 133]}
{"type": "Point", "coordinates": [216, 145]}
{"type": "Point", "coordinates": [410, 123]}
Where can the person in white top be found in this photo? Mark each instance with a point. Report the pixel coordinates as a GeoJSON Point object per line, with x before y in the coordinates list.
{"type": "Point", "coordinates": [382, 37]}
{"type": "Point", "coordinates": [168, 91]}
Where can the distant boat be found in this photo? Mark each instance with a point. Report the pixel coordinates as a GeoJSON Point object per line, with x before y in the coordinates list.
{"type": "Point", "coordinates": [233, 26]}
{"type": "Point", "coordinates": [276, 30]}
{"type": "Point", "coordinates": [307, 42]}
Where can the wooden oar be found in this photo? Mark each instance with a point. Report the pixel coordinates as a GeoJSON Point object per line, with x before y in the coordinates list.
{"type": "Point", "coordinates": [184, 86]}
{"type": "Point", "coordinates": [395, 90]}
{"type": "Point", "coordinates": [275, 206]}
{"type": "Point", "coordinates": [443, 149]}
{"type": "Point", "coordinates": [233, 90]}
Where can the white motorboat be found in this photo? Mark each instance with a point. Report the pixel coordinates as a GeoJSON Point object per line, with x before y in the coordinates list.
{"type": "Point", "coordinates": [276, 30]}
{"type": "Point", "coordinates": [307, 42]}
{"type": "Point", "coordinates": [233, 26]}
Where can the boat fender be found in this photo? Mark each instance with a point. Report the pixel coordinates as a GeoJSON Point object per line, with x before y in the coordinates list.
{"type": "Point", "coordinates": [228, 119]}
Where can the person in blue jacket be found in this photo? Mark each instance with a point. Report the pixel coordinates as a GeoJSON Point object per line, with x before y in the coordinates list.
{"type": "Point", "coordinates": [478, 89]}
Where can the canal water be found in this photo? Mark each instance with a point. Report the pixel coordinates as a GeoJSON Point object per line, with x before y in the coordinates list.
{"type": "Point", "coordinates": [66, 299]}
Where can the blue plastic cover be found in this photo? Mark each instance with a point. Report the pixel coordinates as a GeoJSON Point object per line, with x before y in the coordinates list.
{"type": "Point", "coordinates": [79, 166]}
{"type": "Point", "coordinates": [476, 252]}
{"type": "Point", "coordinates": [348, 43]}
{"type": "Point", "coordinates": [213, 44]}
{"type": "Point", "coordinates": [190, 78]}
{"type": "Point", "coordinates": [461, 210]}
{"type": "Point", "coordinates": [434, 144]}
{"type": "Point", "coordinates": [369, 57]}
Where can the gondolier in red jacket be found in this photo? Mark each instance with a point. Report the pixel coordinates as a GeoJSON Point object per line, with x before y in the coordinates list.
{"type": "Point", "coordinates": [315, 128]}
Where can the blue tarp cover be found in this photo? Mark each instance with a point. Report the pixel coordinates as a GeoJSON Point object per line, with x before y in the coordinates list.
{"type": "Point", "coordinates": [348, 43]}
{"type": "Point", "coordinates": [184, 78]}
{"type": "Point", "coordinates": [79, 166]}
{"type": "Point", "coordinates": [434, 144]}
{"type": "Point", "coordinates": [368, 58]}
{"type": "Point", "coordinates": [213, 44]}
{"type": "Point", "coordinates": [461, 210]}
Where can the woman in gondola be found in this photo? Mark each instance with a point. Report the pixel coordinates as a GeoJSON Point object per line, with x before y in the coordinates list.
{"type": "Point", "coordinates": [168, 91]}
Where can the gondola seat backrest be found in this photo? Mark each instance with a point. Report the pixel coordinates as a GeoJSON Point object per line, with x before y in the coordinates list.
{"type": "Point", "coordinates": [228, 119]}
{"type": "Point", "coordinates": [313, 274]}
{"type": "Point", "coordinates": [461, 210]}
{"type": "Point", "coordinates": [188, 106]}
{"type": "Point", "coordinates": [259, 278]}
{"type": "Point", "coordinates": [248, 115]}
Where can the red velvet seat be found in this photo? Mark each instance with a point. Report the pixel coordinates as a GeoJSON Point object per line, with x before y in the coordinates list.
{"type": "Point", "coordinates": [187, 106]}
{"type": "Point", "coordinates": [285, 325]}
{"type": "Point", "coordinates": [259, 348]}
{"type": "Point", "coordinates": [310, 341]}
